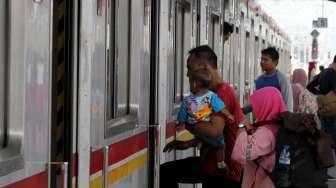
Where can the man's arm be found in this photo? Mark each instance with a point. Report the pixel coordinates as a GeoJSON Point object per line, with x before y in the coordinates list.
{"type": "Point", "coordinates": [211, 130]}
{"type": "Point", "coordinates": [286, 90]}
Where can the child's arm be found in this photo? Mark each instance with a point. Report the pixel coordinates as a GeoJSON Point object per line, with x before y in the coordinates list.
{"type": "Point", "coordinates": [219, 106]}
{"type": "Point", "coordinates": [227, 114]}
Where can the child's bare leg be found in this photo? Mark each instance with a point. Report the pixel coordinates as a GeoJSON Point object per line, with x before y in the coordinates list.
{"type": "Point", "coordinates": [221, 166]}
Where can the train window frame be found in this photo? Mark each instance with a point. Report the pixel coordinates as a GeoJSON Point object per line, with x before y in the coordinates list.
{"type": "Point", "coordinates": [247, 54]}
{"type": "Point", "coordinates": [118, 118]}
{"type": "Point", "coordinates": [4, 73]}
{"type": "Point", "coordinates": [214, 21]}
{"type": "Point", "coordinates": [11, 155]}
{"type": "Point", "coordinates": [181, 7]}
{"type": "Point", "coordinates": [257, 56]}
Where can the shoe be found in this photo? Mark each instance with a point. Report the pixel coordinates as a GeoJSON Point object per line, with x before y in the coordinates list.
{"type": "Point", "coordinates": [330, 178]}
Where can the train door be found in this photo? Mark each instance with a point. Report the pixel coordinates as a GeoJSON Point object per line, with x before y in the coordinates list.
{"type": "Point", "coordinates": [214, 32]}
{"type": "Point", "coordinates": [256, 58]}
{"type": "Point", "coordinates": [113, 93]}
{"type": "Point", "coordinates": [234, 46]}
{"type": "Point", "coordinates": [248, 63]}
{"type": "Point", "coordinates": [236, 63]}
{"type": "Point", "coordinates": [25, 90]}
{"type": "Point", "coordinates": [183, 43]}
{"type": "Point", "coordinates": [258, 47]}
{"type": "Point", "coordinates": [237, 49]}
{"type": "Point", "coordinates": [183, 35]}
{"type": "Point", "coordinates": [241, 77]}
{"type": "Point", "coordinates": [227, 56]}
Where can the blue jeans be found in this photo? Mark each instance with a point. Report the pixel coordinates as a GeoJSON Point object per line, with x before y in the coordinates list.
{"type": "Point", "coordinates": [329, 126]}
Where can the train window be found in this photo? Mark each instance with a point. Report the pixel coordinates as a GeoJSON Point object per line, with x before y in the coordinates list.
{"type": "Point", "coordinates": [118, 77]}
{"type": "Point", "coordinates": [263, 44]}
{"type": "Point", "coordinates": [12, 77]}
{"type": "Point", "coordinates": [257, 57]}
{"type": "Point", "coordinates": [110, 57]}
{"type": "Point", "coordinates": [248, 54]}
{"type": "Point", "coordinates": [179, 52]}
{"type": "Point", "coordinates": [3, 72]}
{"type": "Point", "coordinates": [214, 28]}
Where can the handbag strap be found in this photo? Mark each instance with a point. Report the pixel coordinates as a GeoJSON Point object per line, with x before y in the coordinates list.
{"type": "Point", "coordinates": [261, 123]}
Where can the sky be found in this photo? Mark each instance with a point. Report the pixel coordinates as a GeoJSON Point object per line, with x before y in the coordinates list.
{"type": "Point", "coordinates": [295, 18]}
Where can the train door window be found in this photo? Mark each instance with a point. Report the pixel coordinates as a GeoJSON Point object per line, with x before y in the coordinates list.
{"type": "Point", "coordinates": [179, 52]}
{"type": "Point", "coordinates": [247, 69]}
{"type": "Point", "coordinates": [3, 72]}
{"type": "Point", "coordinates": [118, 76]}
{"type": "Point", "coordinates": [214, 32]}
{"type": "Point", "coordinates": [256, 57]}
{"type": "Point", "coordinates": [226, 66]}
{"type": "Point", "coordinates": [247, 56]}
{"type": "Point", "coordinates": [263, 44]}
{"type": "Point", "coordinates": [214, 36]}
{"type": "Point", "coordinates": [237, 45]}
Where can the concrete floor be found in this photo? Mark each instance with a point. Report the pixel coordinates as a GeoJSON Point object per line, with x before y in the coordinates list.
{"type": "Point", "coordinates": [332, 172]}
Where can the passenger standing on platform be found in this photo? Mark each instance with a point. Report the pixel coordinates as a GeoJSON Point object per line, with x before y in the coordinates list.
{"type": "Point", "coordinates": [321, 68]}
{"type": "Point", "coordinates": [313, 85]}
{"type": "Point", "coordinates": [328, 84]}
{"type": "Point", "coordinates": [203, 169]}
{"type": "Point", "coordinates": [199, 106]}
{"type": "Point", "coordinates": [299, 82]}
{"type": "Point", "coordinates": [256, 151]}
{"type": "Point", "coordinates": [273, 77]}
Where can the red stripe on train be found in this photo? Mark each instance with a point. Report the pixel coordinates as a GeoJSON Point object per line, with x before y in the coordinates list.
{"type": "Point", "coordinates": [36, 181]}
{"type": "Point", "coordinates": [121, 150]}
{"type": "Point", "coordinates": [97, 160]}
{"type": "Point", "coordinates": [170, 129]}
{"type": "Point", "coordinates": [118, 151]}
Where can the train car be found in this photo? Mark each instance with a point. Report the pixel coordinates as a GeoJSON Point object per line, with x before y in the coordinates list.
{"type": "Point", "coordinates": [90, 89]}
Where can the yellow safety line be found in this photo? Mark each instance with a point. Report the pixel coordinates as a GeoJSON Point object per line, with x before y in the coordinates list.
{"type": "Point", "coordinates": [117, 174]}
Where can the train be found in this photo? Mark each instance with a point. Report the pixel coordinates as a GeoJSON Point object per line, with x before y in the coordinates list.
{"type": "Point", "coordinates": [90, 88]}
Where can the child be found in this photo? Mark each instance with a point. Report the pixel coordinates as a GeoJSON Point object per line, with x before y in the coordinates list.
{"type": "Point", "coordinates": [200, 105]}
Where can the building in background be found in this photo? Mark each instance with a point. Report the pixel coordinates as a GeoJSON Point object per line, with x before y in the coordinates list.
{"type": "Point", "coordinates": [296, 18]}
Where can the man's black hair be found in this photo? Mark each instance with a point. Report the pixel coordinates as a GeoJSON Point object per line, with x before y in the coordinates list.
{"type": "Point", "coordinates": [272, 52]}
{"type": "Point", "coordinates": [206, 54]}
{"type": "Point", "coordinates": [202, 77]}
{"type": "Point", "coordinates": [321, 67]}
{"type": "Point", "coordinates": [334, 59]}
{"type": "Point", "coordinates": [228, 28]}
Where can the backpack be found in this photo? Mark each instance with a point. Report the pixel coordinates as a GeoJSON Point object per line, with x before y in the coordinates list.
{"type": "Point", "coordinates": [296, 164]}
{"type": "Point", "coordinates": [300, 163]}
{"type": "Point", "coordinates": [327, 104]}
{"type": "Point", "coordinates": [307, 101]}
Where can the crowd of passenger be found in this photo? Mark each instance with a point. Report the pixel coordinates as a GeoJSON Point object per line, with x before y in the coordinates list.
{"type": "Point", "coordinates": [238, 151]}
